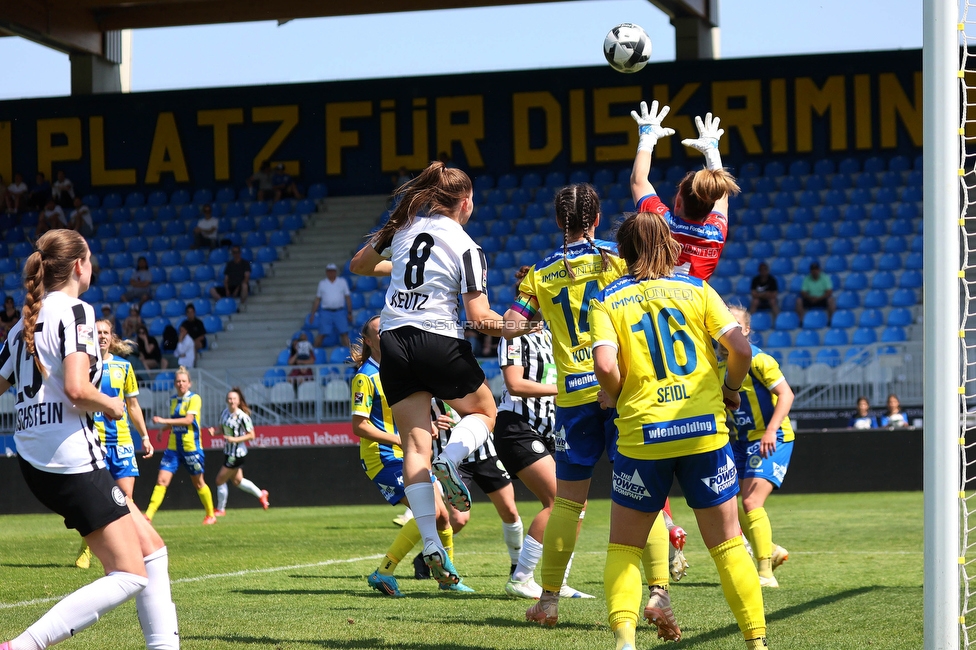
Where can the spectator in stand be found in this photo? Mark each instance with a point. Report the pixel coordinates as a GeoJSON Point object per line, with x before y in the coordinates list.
{"type": "Point", "coordinates": [302, 354]}
{"type": "Point", "coordinates": [862, 418]}
{"type": "Point", "coordinates": [149, 351]}
{"type": "Point", "coordinates": [40, 194]}
{"type": "Point", "coordinates": [260, 182]}
{"type": "Point", "coordinates": [764, 292]}
{"type": "Point", "coordinates": [331, 299]}
{"type": "Point", "coordinates": [80, 219]}
{"type": "Point", "coordinates": [817, 292]}
{"type": "Point", "coordinates": [894, 417]}
{"type": "Point", "coordinates": [51, 218]}
{"type": "Point", "coordinates": [63, 191]}
{"type": "Point", "coordinates": [185, 353]}
{"type": "Point", "coordinates": [283, 184]}
{"type": "Point", "coordinates": [8, 317]}
{"type": "Point", "coordinates": [194, 326]}
{"type": "Point", "coordinates": [17, 197]}
{"type": "Point", "coordinates": [205, 234]}
{"type": "Point", "coordinates": [132, 324]}
{"type": "Point", "coordinates": [140, 285]}
{"type": "Point", "coordinates": [237, 276]}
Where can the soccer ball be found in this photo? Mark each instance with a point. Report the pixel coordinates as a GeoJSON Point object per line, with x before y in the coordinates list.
{"type": "Point", "coordinates": [627, 47]}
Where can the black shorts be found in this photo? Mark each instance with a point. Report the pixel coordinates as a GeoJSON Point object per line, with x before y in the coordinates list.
{"type": "Point", "coordinates": [517, 444]}
{"type": "Point", "coordinates": [87, 501]}
{"type": "Point", "coordinates": [813, 304]}
{"type": "Point", "coordinates": [235, 291]}
{"type": "Point", "coordinates": [232, 462]}
{"type": "Point", "coordinates": [416, 361]}
{"type": "Point", "coordinates": [490, 475]}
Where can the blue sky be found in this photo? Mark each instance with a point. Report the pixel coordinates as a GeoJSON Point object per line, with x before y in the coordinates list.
{"type": "Point", "coordinates": [564, 34]}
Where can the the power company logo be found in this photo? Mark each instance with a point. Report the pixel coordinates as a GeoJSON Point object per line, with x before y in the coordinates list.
{"type": "Point", "coordinates": [631, 486]}
{"type": "Point", "coordinates": [725, 478]}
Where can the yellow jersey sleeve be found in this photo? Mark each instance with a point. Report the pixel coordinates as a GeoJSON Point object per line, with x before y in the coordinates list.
{"type": "Point", "coordinates": [765, 368]}
{"type": "Point", "coordinates": [131, 388]}
{"type": "Point", "coordinates": [601, 326]}
{"type": "Point", "coordinates": [362, 395]}
{"type": "Point", "coordinates": [195, 407]}
{"type": "Point", "coordinates": [718, 318]}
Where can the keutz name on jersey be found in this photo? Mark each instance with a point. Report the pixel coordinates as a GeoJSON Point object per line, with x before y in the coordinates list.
{"type": "Point", "coordinates": [35, 415]}
{"type": "Point", "coordinates": [408, 299]}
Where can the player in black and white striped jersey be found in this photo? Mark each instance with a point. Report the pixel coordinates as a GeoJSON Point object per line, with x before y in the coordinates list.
{"type": "Point", "coordinates": [524, 440]}
{"type": "Point", "coordinates": [237, 429]}
{"type": "Point", "coordinates": [52, 357]}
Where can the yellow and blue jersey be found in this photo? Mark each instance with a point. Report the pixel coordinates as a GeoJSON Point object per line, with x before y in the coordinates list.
{"type": "Point", "coordinates": [757, 400]}
{"type": "Point", "coordinates": [564, 303]}
{"type": "Point", "coordinates": [118, 379]}
{"type": "Point", "coordinates": [368, 401]}
{"type": "Point", "coordinates": [670, 402]}
{"type": "Point", "coordinates": [182, 437]}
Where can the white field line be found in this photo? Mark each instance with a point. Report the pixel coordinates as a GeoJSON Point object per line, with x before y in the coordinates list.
{"type": "Point", "coordinates": [214, 576]}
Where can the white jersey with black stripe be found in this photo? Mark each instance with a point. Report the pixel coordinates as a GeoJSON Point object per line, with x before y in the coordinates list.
{"type": "Point", "coordinates": [236, 425]}
{"type": "Point", "coordinates": [484, 452]}
{"type": "Point", "coordinates": [533, 352]}
{"type": "Point", "coordinates": [50, 432]}
{"type": "Point", "coordinates": [434, 262]}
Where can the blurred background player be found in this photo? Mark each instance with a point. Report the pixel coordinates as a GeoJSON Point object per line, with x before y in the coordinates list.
{"type": "Point", "coordinates": [184, 448]}
{"type": "Point", "coordinates": [656, 365]}
{"type": "Point", "coordinates": [115, 436]}
{"type": "Point", "coordinates": [237, 429]}
{"type": "Point", "coordinates": [699, 221]}
{"type": "Point", "coordinates": [382, 457]}
{"type": "Point", "coordinates": [433, 263]}
{"type": "Point", "coordinates": [763, 444]}
{"type": "Point", "coordinates": [558, 289]}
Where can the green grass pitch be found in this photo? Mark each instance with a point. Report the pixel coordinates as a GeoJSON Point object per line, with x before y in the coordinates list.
{"type": "Point", "coordinates": [295, 579]}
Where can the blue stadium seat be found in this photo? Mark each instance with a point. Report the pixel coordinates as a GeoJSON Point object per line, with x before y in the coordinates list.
{"type": "Point", "coordinates": [883, 280]}
{"type": "Point", "coordinates": [799, 358]}
{"type": "Point", "coordinates": [151, 309]}
{"type": "Point", "coordinates": [903, 298]}
{"type": "Point", "coordinates": [166, 213]}
{"type": "Point", "coordinates": [900, 227]}
{"type": "Point", "coordinates": [530, 181]}
{"type": "Point", "coordinates": [869, 246]}
{"type": "Point", "coordinates": [796, 231]}
{"type": "Point", "coordinates": [815, 248]}
{"type": "Point", "coordinates": [225, 307]}
{"type": "Point", "coordinates": [317, 191]}
{"type": "Point", "coordinates": [787, 320]}
{"type": "Point", "coordinates": [849, 166]}
{"type": "Point", "coordinates": [916, 244]}
{"type": "Point", "coordinates": [499, 228]}
{"type": "Point", "coordinates": [255, 239]}
{"type": "Point", "coordinates": [886, 195]}
{"type": "Point", "coordinates": [913, 261]}
{"type": "Point", "coordinates": [829, 356]}
{"type": "Point", "coordinates": [814, 319]}
{"type": "Point", "coordinates": [889, 262]}
{"type": "Point", "coordinates": [808, 198]}
{"type": "Point", "coordinates": [762, 249]}
{"type": "Point", "coordinates": [781, 266]}
{"type": "Point", "coordinates": [281, 207]}
{"type": "Point", "coordinates": [280, 238]}
{"type": "Point", "coordinates": [179, 197]}
{"type": "Point", "coordinates": [232, 210]}
{"type": "Point", "coordinates": [758, 201]}
{"type": "Point", "coordinates": [828, 214]}
{"type": "Point", "coordinates": [779, 339]}
{"type": "Point", "coordinates": [750, 170]}
{"type": "Point", "coordinates": [910, 279]}
{"type": "Point", "coordinates": [212, 323]}
{"type": "Point", "coordinates": [859, 196]}
{"type": "Point", "coordinates": [203, 273]}
{"type": "Point", "coordinates": [727, 267]}
{"type": "Point", "coordinates": [292, 222]}
{"type": "Point", "coordinates": [504, 259]}
{"type": "Point", "coordinates": [790, 246]}
{"type": "Point", "coordinates": [763, 184]}
{"type": "Point", "coordinates": [856, 281]}
{"type": "Point", "coordinates": [266, 255]}
{"type": "Point", "coordinates": [93, 201]}
{"type": "Point", "coordinates": [305, 206]}
{"type": "Point", "coordinates": [846, 230]}
{"type": "Point", "coordinates": [174, 308]}
{"type": "Point", "coordinates": [226, 195]}
{"type": "Point", "coordinates": [762, 321]}
{"type": "Point", "coordinates": [822, 230]}
{"type": "Point", "coordinates": [895, 244]}
{"type": "Point", "coordinates": [835, 264]}
{"type": "Point", "coordinates": [579, 176]}
{"type": "Point", "coordinates": [174, 228]}
{"type": "Point", "coordinates": [514, 244]}
{"type": "Point", "coordinates": [833, 198]}
{"type": "Point", "coordinates": [864, 336]}
{"type": "Point", "coordinates": [189, 291]}
{"type": "Point", "coordinates": [899, 317]}
{"type": "Point", "coordinates": [848, 299]}
{"type": "Point", "coordinates": [865, 180]}
{"type": "Point", "coordinates": [258, 209]}
{"type": "Point", "coordinates": [169, 257]}
{"type": "Point", "coordinates": [893, 334]}
{"type": "Point", "coordinates": [874, 228]}
{"type": "Point", "coordinates": [742, 286]}
{"type": "Point", "coordinates": [854, 213]}
{"type": "Point", "coordinates": [142, 215]}
{"type": "Point", "coordinates": [508, 181]}
{"type": "Point", "coordinates": [165, 291]}
{"type": "Point", "coordinates": [268, 223]}
{"type": "Point", "coordinates": [876, 299]}
{"type": "Point", "coordinates": [721, 284]}
{"type": "Point", "coordinates": [194, 257]}
{"type": "Point", "coordinates": [111, 201]}
{"type": "Point", "coordinates": [179, 274]}
{"type": "Point", "coordinates": [93, 296]}
{"type": "Point", "coordinates": [911, 194]}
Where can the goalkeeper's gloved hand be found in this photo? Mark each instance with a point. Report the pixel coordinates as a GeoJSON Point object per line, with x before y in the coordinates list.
{"type": "Point", "coordinates": [649, 125]}
{"type": "Point", "coordinates": [707, 140]}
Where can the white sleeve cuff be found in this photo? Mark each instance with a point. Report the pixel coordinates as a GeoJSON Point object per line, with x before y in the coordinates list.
{"type": "Point", "coordinates": [611, 344]}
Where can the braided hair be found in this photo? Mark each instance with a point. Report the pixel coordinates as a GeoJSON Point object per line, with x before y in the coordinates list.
{"type": "Point", "coordinates": [48, 268]}
{"type": "Point", "coordinates": [577, 209]}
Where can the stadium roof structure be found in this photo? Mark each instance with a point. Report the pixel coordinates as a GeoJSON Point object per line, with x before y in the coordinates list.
{"type": "Point", "coordinates": [92, 27]}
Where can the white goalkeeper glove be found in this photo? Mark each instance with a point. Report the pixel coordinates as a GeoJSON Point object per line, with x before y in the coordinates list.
{"type": "Point", "coordinates": [707, 141]}
{"type": "Point", "coordinates": [649, 126]}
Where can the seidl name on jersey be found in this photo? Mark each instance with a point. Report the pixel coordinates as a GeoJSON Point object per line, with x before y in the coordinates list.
{"type": "Point", "coordinates": [37, 415]}
{"type": "Point", "coordinates": [408, 299]}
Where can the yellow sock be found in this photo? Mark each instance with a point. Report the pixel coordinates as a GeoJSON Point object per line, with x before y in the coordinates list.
{"type": "Point", "coordinates": [746, 526]}
{"type": "Point", "coordinates": [622, 585]}
{"type": "Point", "coordinates": [625, 634]}
{"type": "Point", "coordinates": [405, 540]}
{"type": "Point", "coordinates": [740, 584]}
{"type": "Point", "coordinates": [559, 542]}
{"type": "Point", "coordinates": [762, 539]}
{"type": "Point", "coordinates": [159, 492]}
{"type": "Point", "coordinates": [447, 541]}
{"type": "Point", "coordinates": [655, 556]}
{"type": "Point", "coordinates": [206, 498]}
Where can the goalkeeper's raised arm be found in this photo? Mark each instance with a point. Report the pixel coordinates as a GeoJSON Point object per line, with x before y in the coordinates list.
{"type": "Point", "coordinates": [650, 131]}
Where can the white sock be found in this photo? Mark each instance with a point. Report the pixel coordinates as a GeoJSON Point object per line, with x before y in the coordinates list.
{"type": "Point", "coordinates": [513, 539]}
{"type": "Point", "coordinates": [569, 565]}
{"type": "Point", "coordinates": [80, 610]}
{"type": "Point", "coordinates": [157, 613]}
{"type": "Point", "coordinates": [408, 513]}
{"type": "Point", "coordinates": [469, 434]}
{"type": "Point", "coordinates": [250, 488]}
{"type": "Point", "coordinates": [421, 498]}
{"type": "Point", "coordinates": [528, 558]}
{"type": "Point", "coordinates": [222, 493]}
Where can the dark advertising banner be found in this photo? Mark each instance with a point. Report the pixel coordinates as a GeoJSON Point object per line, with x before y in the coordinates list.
{"type": "Point", "coordinates": [355, 135]}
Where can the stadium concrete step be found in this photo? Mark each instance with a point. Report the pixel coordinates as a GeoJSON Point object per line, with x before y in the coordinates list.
{"type": "Point", "coordinates": [277, 311]}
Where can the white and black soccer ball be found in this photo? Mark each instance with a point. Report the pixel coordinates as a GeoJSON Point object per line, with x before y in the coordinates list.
{"type": "Point", "coordinates": [627, 47]}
